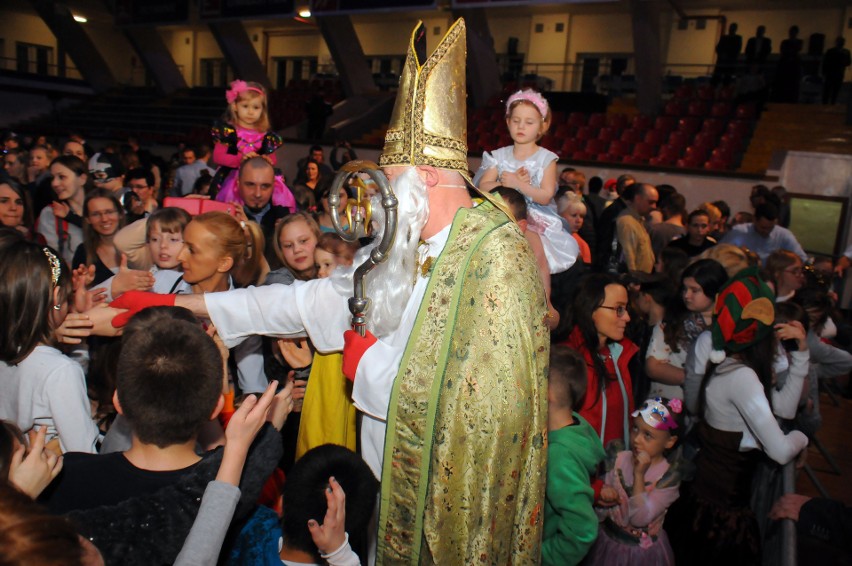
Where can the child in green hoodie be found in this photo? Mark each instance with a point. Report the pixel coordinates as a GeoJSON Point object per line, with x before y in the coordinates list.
{"type": "Point", "coordinates": [574, 453]}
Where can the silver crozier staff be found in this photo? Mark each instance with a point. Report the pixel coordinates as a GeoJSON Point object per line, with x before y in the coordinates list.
{"type": "Point", "coordinates": [359, 303]}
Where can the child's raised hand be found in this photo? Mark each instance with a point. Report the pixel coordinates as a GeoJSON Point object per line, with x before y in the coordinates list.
{"type": "Point", "coordinates": [34, 472]}
{"type": "Point", "coordinates": [641, 463]}
{"type": "Point", "coordinates": [331, 534]}
{"type": "Point", "coordinates": [241, 432]}
{"type": "Point", "coordinates": [60, 209]}
{"type": "Point", "coordinates": [131, 279]}
{"type": "Point", "coordinates": [73, 329]}
{"type": "Point", "coordinates": [282, 405]}
{"type": "Point", "coordinates": [608, 497]}
{"type": "Point", "coordinates": [296, 352]}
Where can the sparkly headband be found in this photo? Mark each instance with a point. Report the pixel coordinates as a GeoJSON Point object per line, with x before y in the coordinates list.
{"type": "Point", "coordinates": [530, 96]}
{"type": "Point", "coordinates": [664, 419]}
{"type": "Point", "coordinates": [55, 266]}
{"type": "Point", "coordinates": [239, 87]}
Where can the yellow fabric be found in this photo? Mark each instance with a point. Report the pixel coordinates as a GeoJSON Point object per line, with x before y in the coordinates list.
{"type": "Point", "coordinates": [465, 452]}
{"type": "Point", "coordinates": [328, 415]}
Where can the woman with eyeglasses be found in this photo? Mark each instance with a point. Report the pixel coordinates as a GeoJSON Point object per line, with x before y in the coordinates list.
{"type": "Point", "coordinates": [103, 216]}
{"type": "Point", "coordinates": [600, 317]}
{"type": "Point", "coordinates": [784, 271]}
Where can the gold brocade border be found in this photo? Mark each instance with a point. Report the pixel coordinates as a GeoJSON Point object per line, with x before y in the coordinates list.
{"type": "Point", "coordinates": [427, 395]}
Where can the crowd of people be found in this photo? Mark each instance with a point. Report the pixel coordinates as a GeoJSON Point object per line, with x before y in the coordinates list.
{"type": "Point", "coordinates": [749, 66]}
{"type": "Point", "coordinates": [555, 369]}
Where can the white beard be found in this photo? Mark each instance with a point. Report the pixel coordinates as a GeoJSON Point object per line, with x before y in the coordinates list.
{"type": "Point", "coordinates": [389, 284]}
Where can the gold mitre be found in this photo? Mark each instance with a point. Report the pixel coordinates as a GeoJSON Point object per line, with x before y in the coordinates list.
{"type": "Point", "coordinates": [429, 121]}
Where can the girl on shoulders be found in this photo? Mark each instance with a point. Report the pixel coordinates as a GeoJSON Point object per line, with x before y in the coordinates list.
{"type": "Point", "coordinates": [531, 169]}
{"type": "Point", "coordinates": [244, 134]}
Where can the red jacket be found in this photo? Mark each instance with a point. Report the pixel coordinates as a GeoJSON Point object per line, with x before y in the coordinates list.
{"type": "Point", "coordinates": [617, 415]}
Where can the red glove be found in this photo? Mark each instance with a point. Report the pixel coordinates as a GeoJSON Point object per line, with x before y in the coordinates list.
{"type": "Point", "coordinates": [354, 346]}
{"type": "Point", "coordinates": [135, 301]}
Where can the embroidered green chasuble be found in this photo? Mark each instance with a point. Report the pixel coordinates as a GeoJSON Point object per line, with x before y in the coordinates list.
{"type": "Point", "coordinates": [465, 449]}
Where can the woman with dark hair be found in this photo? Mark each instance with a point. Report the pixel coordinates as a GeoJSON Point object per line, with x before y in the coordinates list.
{"type": "Point", "coordinates": [61, 223]}
{"type": "Point", "coordinates": [600, 318]}
{"type": "Point", "coordinates": [324, 212]}
{"type": "Point", "coordinates": [730, 387]}
{"type": "Point", "coordinates": [39, 386]}
{"type": "Point", "coordinates": [687, 316]}
{"type": "Point", "coordinates": [15, 207]}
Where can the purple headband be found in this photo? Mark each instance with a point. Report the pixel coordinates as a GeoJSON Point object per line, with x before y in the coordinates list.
{"type": "Point", "coordinates": [237, 88]}
{"type": "Point", "coordinates": [530, 96]}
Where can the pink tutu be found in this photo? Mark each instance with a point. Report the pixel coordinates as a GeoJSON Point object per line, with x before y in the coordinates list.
{"type": "Point", "coordinates": [281, 195]}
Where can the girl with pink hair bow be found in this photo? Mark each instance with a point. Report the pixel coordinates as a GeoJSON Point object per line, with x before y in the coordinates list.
{"type": "Point", "coordinates": [242, 134]}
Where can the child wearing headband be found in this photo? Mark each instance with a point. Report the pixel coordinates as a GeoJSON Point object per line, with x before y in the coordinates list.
{"type": "Point", "coordinates": [531, 170]}
{"type": "Point", "coordinates": [243, 134]}
{"type": "Point", "coordinates": [639, 487]}
{"type": "Point", "coordinates": [40, 387]}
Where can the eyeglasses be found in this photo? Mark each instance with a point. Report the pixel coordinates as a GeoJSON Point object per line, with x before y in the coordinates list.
{"type": "Point", "coordinates": [620, 311]}
{"type": "Point", "coordinates": [103, 214]}
{"type": "Point", "coordinates": [795, 271]}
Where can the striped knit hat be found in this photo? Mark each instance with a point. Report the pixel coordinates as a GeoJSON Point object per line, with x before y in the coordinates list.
{"type": "Point", "coordinates": [744, 314]}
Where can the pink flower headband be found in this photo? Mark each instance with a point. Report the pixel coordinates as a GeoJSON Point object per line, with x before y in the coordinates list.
{"type": "Point", "coordinates": [530, 96]}
{"type": "Point", "coordinates": [237, 88]}
{"type": "Point", "coordinates": [658, 415]}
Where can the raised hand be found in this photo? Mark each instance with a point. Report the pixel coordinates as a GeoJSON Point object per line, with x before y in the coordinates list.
{"type": "Point", "coordinates": [60, 209]}
{"type": "Point", "coordinates": [33, 472]}
{"type": "Point", "coordinates": [131, 279]}
{"type": "Point", "coordinates": [331, 534]}
{"type": "Point", "coordinates": [241, 432]}
{"type": "Point", "coordinates": [296, 352]}
{"type": "Point", "coordinates": [73, 329]}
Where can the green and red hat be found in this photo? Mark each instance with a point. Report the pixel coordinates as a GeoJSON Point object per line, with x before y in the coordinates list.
{"type": "Point", "coordinates": [744, 314]}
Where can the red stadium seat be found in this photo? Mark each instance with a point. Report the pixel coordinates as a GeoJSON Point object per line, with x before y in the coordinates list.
{"type": "Point", "coordinates": [746, 111]}
{"type": "Point", "coordinates": [607, 134]}
{"type": "Point", "coordinates": [679, 140]}
{"type": "Point", "coordinates": [631, 135]}
{"type": "Point", "coordinates": [665, 123]}
{"type": "Point", "coordinates": [596, 146]}
{"type": "Point", "coordinates": [655, 137]}
{"type": "Point", "coordinates": [644, 151]}
{"type": "Point", "coordinates": [618, 121]}
{"type": "Point", "coordinates": [713, 126]}
{"type": "Point", "coordinates": [697, 108]}
{"type": "Point", "coordinates": [721, 110]}
{"type": "Point", "coordinates": [576, 119]}
{"type": "Point", "coordinates": [642, 122]}
{"type": "Point", "coordinates": [597, 121]}
{"type": "Point", "coordinates": [585, 133]}
{"type": "Point", "coordinates": [689, 125]}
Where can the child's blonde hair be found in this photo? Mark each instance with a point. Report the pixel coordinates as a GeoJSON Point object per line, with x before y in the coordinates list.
{"type": "Point", "coordinates": [243, 244]}
{"type": "Point", "coordinates": [246, 90]}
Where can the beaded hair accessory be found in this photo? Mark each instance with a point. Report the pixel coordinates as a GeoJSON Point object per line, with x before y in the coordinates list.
{"type": "Point", "coordinates": [237, 88]}
{"type": "Point", "coordinates": [55, 266]}
{"type": "Point", "coordinates": [656, 414]}
{"type": "Point", "coordinates": [530, 96]}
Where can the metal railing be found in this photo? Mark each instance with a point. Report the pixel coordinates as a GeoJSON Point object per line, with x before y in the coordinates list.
{"type": "Point", "coordinates": [39, 69]}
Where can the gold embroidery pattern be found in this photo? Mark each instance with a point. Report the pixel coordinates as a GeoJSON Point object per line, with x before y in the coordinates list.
{"type": "Point", "coordinates": [465, 454]}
